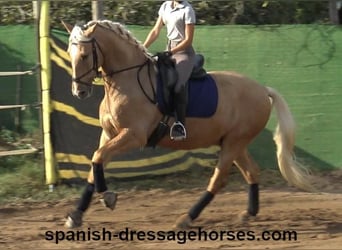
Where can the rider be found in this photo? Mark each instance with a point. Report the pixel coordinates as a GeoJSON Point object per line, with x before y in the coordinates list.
{"type": "Point", "coordinates": [179, 18]}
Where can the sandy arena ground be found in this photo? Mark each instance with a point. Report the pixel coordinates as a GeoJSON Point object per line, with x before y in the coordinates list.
{"type": "Point", "coordinates": [315, 217]}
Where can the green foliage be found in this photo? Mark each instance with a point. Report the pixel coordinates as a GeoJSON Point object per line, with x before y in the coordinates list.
{"type": "Point", "coordinates": [145, 12]}
{"type": "Point", "coordinates": [23, 178]}
{"type": "Point", "coordinates": [215, 12]}
{"type": "Point", "coordinates": [73, 12]}
{"type": "Point", "coordinates": [132, 12]}
{"type": "Point", "coordinates": [15, 12]}
{"type": "Point", "coordinates": [30, 123]}
{"type": "Point", "coordinates": [284, 12]}
{"type": "Point", "coordinates": [7, 136]}
{"type": "Point", "coordinates": [10, 140]}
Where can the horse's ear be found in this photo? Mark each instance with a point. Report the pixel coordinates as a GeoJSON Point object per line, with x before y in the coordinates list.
{"type": "Point", "coordinates": [67, 26]}
{"type": "Point", "coordinates": [91, 28]}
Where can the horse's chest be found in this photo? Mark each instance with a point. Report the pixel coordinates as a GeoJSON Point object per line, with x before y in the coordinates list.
{"type": "Point", "coordinates": [108, 125]}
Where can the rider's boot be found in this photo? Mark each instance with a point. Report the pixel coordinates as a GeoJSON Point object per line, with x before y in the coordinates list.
{"type": "Point", "coordinates": [177, 130]}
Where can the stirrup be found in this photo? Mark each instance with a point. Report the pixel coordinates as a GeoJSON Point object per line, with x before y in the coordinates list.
{"type": "Point", "coordinates": [177, 131]}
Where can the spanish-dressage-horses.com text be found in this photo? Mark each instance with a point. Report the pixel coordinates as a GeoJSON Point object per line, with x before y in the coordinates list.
{"type": "Point", "coordinates": [180, 237]}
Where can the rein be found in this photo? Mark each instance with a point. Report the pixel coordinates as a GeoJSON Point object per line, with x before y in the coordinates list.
{"type": "Point", "coordinates": [153, 99]}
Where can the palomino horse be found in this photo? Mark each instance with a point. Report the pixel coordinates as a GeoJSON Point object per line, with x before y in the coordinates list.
{"type": "Point", "coordinates": [129, 115]}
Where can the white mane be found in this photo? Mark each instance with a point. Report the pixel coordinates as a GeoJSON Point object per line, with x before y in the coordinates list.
{"type": "Point", "coordinates": [120, 30]}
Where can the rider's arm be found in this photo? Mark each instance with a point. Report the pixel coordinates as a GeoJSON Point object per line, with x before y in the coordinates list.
{"type": "Point", "coordinates": [187, 42]}
{"type": "Point", "coordinates": [154, 33]}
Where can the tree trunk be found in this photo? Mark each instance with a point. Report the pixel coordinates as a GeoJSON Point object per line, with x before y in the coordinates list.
{"type": "Point", "coordinates": [333, 14]}
{"type": "Point", "coordinates": [97, 9]}
{"type": "Point", "coordinates": [36, 9]}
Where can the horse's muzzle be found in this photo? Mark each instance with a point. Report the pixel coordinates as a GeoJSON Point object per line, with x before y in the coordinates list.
{"type": "Point", "coordinates": [82, 94]}
{"type": "Point", "coordinates": [81, 91]}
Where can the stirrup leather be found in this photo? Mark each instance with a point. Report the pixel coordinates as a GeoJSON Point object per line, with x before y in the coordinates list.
{"type": "Point", "coordinates": [175, 134]}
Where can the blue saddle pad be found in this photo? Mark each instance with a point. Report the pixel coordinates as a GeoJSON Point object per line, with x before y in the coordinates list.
{"type": "Point", "coordinates": [202, 97]}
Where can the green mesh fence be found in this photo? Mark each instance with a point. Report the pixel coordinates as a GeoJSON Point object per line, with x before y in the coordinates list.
{"type": "Point", "coordinates": [18, 52]}
{"type": "Point", "coordinates": [303, 62]}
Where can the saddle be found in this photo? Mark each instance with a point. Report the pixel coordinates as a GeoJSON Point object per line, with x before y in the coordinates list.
{"type": "Point", "coordinates": [198, 70]}
{"type": "Point", "coordinates": [168, 75]}
{"type": "Point", "coordinates": [202, 93]}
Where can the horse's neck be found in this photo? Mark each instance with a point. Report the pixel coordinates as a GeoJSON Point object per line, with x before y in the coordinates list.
{"type": "Point", "coordinates": [125, 93]}
{"type": "Point", "coordinates": [120, 54]}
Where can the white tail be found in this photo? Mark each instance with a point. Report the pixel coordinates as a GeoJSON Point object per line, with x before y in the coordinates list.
{"type": "Point", "coordinates": [284, 136]}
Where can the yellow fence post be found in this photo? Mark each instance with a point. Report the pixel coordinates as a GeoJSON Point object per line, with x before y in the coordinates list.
{"type": "Point", "coordinates": [44, 42]}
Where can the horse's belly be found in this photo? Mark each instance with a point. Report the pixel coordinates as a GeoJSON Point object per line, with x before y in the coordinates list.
{"type": "Point", "coordinates": [201, 133]}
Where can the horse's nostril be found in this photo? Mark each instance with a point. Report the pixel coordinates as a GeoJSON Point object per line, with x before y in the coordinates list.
{"type": "Point", "coordinates": [82, 94]}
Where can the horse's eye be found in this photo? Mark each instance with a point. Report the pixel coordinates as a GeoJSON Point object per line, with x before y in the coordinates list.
{"type": "Point", "coordinates": [83, 57]}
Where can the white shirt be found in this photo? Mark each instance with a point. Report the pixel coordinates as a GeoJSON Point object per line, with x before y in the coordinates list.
{"type": "Point", "coordinates": [176, 18]}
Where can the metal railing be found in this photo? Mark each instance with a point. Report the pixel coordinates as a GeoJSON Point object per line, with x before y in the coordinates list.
{"type": "Point", "coordinates": [31, 149]}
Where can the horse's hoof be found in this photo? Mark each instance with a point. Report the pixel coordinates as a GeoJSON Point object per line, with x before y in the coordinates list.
{"type": "Point", "coordinates": [74, 219]}
{"type": "Point", "coordinates": [109, 199]}
{"type": "Point", "coordinates": [244, 217]}
{"type": "Point", "coordinates": [183, 222]}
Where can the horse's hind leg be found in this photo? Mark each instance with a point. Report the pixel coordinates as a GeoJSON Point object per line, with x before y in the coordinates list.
{"type": "Point", "coordinates": [250, 171]}
{"type": "Point", "coordinates": [216, 183]}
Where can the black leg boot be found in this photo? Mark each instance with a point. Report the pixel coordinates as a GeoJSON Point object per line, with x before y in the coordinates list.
{"type": "Point", "coordinates": [108, 198]}
{"type": "Point", "coordinates": [178, 131]}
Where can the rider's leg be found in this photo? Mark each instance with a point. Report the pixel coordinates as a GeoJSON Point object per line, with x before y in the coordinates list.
{"type": "Point", "coordinates": [184, 64]}
{"type": "Point", "coordinates": [178, 131]}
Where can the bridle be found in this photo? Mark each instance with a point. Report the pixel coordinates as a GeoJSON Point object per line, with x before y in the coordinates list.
{"type": "Point", "coordinates": [95, 68]}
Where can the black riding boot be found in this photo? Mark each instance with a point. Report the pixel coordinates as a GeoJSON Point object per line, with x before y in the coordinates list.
{"type": "Point", "coordinates": [177, 131]}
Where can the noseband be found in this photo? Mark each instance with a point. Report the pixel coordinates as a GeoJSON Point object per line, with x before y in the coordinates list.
{"type": "Point", "coordinates": [95, 64]}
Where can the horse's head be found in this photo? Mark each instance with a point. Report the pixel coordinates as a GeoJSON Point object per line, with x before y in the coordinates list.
{"type": "Point", "coordinates": [85, 57]}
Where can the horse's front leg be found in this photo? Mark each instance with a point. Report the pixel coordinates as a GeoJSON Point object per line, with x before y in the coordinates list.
{"type": "Point", "coordinates": [127, 139]}
{"type": "Point", "coordinates": [74, 219]}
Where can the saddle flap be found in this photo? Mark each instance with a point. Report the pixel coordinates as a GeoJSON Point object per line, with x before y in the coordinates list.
{"type": "Point", "coordinates": [168, 75]}
{"type": "Point", "coordinates": [167, 69]}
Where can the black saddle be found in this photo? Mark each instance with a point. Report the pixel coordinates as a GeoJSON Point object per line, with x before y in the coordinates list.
{"type": "Point", "coordinates": [167, 70]}
{"type": "Point", "coordinates": [198, 70]}
{"type": "Point", "coordinates": [168, 73]}
{"type": "Point", "coordinates": [169, 76]}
